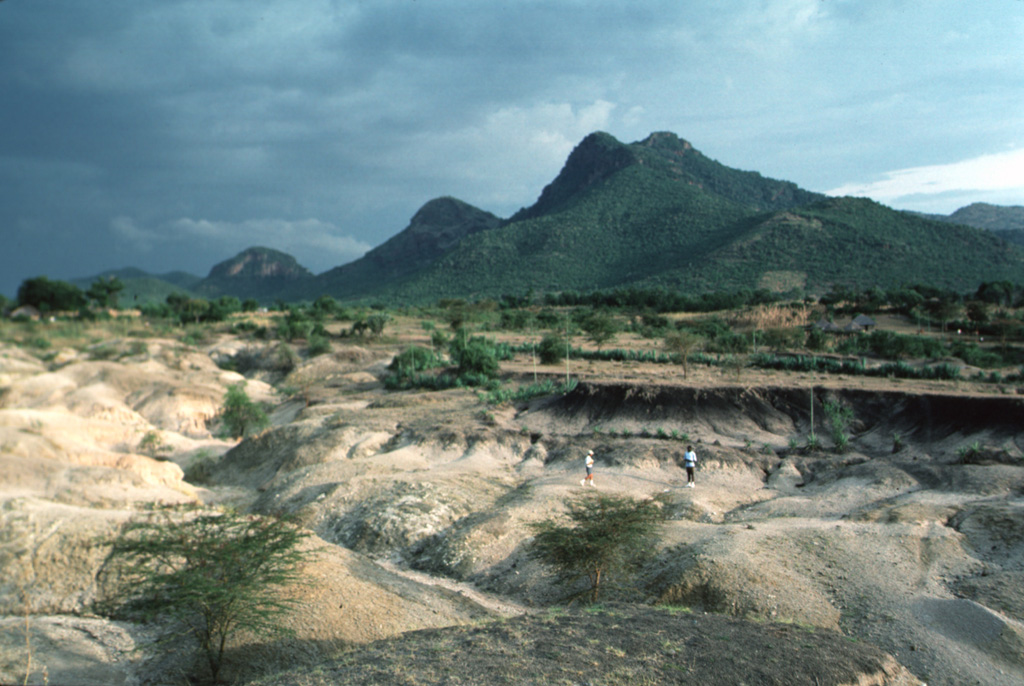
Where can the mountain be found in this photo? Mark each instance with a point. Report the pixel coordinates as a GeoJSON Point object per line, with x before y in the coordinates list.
{"type": "Point", "coordinates": [660, 213]}
{"type": "Point", "coordinates": [141, 287]}
{"type": "Point", "coordinates": [1008, 222]}
{"type": "Point", "coordinates": [261, 273]}
{"type": "Point", "coordinates": [437, 228]}
{"type": "Point", "coordinates": [992, 217]}
{"type": "Point", "coordinates": [858, 243]}
{"type": "Point", "coordinates": [654, 213]}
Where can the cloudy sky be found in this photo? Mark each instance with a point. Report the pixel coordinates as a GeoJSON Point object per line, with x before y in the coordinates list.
{"type": "Point", "coordinates": [172, 134]}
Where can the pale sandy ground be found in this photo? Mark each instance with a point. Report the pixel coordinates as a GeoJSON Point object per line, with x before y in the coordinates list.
{"type": "Point", "coordinates": [421, 502]}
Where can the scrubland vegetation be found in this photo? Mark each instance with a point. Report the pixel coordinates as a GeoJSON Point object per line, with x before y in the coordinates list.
{"type": "Point", "coordinates": [508, 351]}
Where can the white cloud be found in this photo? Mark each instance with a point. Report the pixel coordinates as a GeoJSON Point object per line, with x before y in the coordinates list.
{"type": "Point", "coordinates": [995, 172]}
{"type": "Point", "coordinates": [126, 228]}
{"type": "Point", "coordinates": [525, 147]}
{"type": "Point", "coordinates": [313, 242]}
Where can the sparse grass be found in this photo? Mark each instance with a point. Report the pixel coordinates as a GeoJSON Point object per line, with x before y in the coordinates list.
{"type": "Point", "coordinates": [967, 452]}
{"type": "Point", "coordinates": [610, 645]}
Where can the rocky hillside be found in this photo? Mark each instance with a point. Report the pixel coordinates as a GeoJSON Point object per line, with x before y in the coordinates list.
{"type": "Point", "coordinates": [260, 273]}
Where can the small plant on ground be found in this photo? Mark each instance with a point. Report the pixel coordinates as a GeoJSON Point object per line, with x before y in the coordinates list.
{"type": "Point", "coordinates": [967, 452]}
{"type": "Point", "coordinates": [606, 539]}
{"type": "Point", "coordinates": [897, 442]}
{"type": "Point", "coordinates": [317, 344]}
{"type": "Point", "coordinates": [839, 418]}
{"type": "Point", "coordinates": [152, 443]}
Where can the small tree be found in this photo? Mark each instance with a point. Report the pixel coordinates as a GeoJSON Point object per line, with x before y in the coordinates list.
{"type": "Point", "coordinates": [104, 292]}
{"type": "Point", "coordinates": [50, 296]}
{"type": "Point", "coordinates": [213, 574]}
{"type": "Point", "coordinates": [682, 343]}
{"type": "Point", "coordinates": [377, 321]}
{"type": "Point", "coordinates": [608, 536]}
{"type": "Point", "coordinates": [600, 328]}
{"type": "Point", "coordinates": [240, 413]}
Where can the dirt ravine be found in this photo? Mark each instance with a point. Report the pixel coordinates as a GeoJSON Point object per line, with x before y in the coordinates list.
{"type": "Point", "coordinates": [911, 539]}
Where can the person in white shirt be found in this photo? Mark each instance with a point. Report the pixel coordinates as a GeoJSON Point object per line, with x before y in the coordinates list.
{"type": "Point", "coordinates": [588, 462]}
{"type": "Point", "coordinates": [690, 462]}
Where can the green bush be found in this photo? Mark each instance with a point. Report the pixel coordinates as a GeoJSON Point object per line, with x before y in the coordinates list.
{"type": "Point", "coordinates": [212, 574]}
{"type": "Point", "coordinates": [551, 349]}
{"type": "Point", "coordinates": [414, 359]}
{"type": "Point", "coordinates": [839, 419]}
{"type": "Point", "coordinates": [318, 344]}
{"type": "Point", "coordinates": [240, 414]}
{"type": "Point", "coordinates": [503, 394]}
{"type": "Point", "coordinates": [605, 541]}
{"type": "Point", "coordinates": [474, 356]}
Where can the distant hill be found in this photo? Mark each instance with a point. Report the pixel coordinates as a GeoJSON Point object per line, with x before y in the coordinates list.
{"type": "Point", "coordinates": [991, 217]}
{"type": "Point", "coordinates": [660, 213]}
{"type": "Point", "coordinates": [141, 287]}
{"type": "Point", "coordinates": [1008, 222]}
{"type": "Point", "coordinates": [436, 229]}
{"type": "Point", "coordinates": [261, 273]}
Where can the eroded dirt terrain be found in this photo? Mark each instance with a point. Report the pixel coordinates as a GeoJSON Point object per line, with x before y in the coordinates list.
{"type": "Point", "coordinates": [912, 539]}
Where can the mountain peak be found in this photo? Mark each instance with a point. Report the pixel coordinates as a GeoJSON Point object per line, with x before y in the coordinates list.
{"type": "Point", "coordinates": [260, 263]}
{"type": "Point", "coordinates": [443, 211]}
{"type": "Point", "coordinates": [666, 141]}
{"type": "Point", "coordinates": [597, 157]}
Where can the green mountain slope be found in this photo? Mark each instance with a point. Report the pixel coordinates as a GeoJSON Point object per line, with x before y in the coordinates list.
{"type": "Point", "coordinates": [856, 243]}
{"type": "Point", "coordinates": [436, 229]}
{"type": "Point", "coordinates": [1008, 222]}
{"type": "Point", "coordinates": [141, 287]}
{"type": "Point", "coordinates": [615, 214]}
{"type": "Point", "coordinates": [652, 213]}
{"type": "Point", "coordinates": [659, 213]}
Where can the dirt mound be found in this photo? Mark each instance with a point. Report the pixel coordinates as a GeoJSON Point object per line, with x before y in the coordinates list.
{"type": "Point", "coordinates": [51, 555]}
{"type": "Point", "coordinates": [616, 644]}
{"type": "Point", "coordinates": [726, 580]}
{"type": "Point", "coordinates": [995, 530]}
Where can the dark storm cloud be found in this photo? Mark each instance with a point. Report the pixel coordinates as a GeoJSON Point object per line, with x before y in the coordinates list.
{"type": "Point", "coordinates": [172, 134]}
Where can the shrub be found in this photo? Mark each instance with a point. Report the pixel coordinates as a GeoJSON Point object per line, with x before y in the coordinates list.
{"type": "Point", "coordinates": [240, 414]}
{"type": "Point", "coordinates": [551, 349]}
{"type": "Point", "coordinates": [502, 394]}
{"type": "Point", "coordinates": [414, 359]}
{"type": "Point", "coordinates": [606, 539]}
{"type": "Point", "coordinates": [213, 574]}
{"type": "Point", "coordinates": [839, 418]}
{"type": "Point", "coordinates": [474, 356]}
{"type": "Point", "coordinates": [318, 344]}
